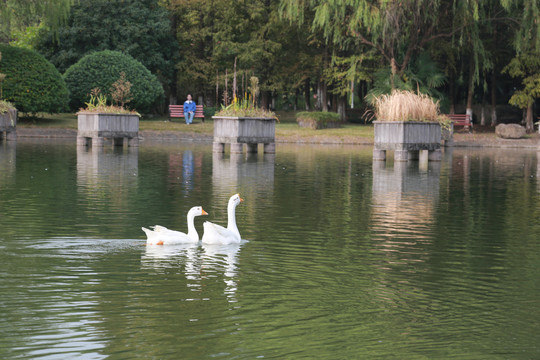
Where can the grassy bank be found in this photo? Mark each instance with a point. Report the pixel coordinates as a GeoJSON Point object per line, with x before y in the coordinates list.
{"type": "Point", "coordinates": [286, 129]}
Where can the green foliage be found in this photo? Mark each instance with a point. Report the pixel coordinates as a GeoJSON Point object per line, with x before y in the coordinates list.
{"type": "Point", "coordinates": [139, 28]}
{"type": "Point", "coordinates": [102, 69]}
{"type": "Point", "coordinates": [32, 83]}
{"type": "Point", "coordinates": [422, 75]}
{"type": "Point", "coordinates": [245, 108]}
{"type": "Point", "coordinates": [318, 116]}
{"type": "Point", "coordinates": [28, 37]}
{"type": "Point", "coordinates": [17, 15]}
{"type": "Point", "coordinates": [5, 106]}
{"type": "Point", "coordinates": [527, 68]}
{"type": "Point", "coordinates": [318, 119]}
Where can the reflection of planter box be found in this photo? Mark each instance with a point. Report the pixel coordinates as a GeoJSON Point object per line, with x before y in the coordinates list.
{"type": "Point", "coordinates": [8, 124]}
{"type": "Point", "coordinates": [99, 126]}
{"type": "Point", "coordinates": [405, 137]}
{"type": "Point", "coordinates": [244, 130]}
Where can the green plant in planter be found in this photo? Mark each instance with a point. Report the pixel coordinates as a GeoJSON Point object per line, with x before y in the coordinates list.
{"type": "Point", "coordinates": [247, 107]}
{"type": "Point", "coordinates": [318, 119]}
{"type": "Point", "coordinates": [120, 94]}
{"type": "Point", "coordinates": [5, 106]}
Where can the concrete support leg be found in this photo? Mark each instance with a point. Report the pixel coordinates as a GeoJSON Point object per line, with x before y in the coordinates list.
{"type": "Point", "coordinates": [218, 147]}
{"type": "Point", "coordinates": [82, 141]}
{"type": "Point", "coordinates": [449, 142]}
{"type": "Point", "coordinates": [414, 154]}
{"type": "Point", "coordinates": [118, 141]}
{"type": "Point", "coordinates": [401, 155]}
{"type": "Point", "coordinates": [435, 155]}
{"type": "Point", "coordinates": [11, 136]}
{"type": "Point", "coordinates": [379, 154]}
{"type": "Point", "coordinates": [97, 142]}
{"type": "Point", "coordinates": [133, 142]}
{"type": "Point", "coordinates": [237, 148]}
{"type": "Point", "coordinates": [252, 148]}
{"type": "Point", "coordinates": [270, 148]}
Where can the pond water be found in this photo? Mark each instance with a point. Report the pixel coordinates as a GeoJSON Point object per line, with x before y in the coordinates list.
{"type": "Point", "coordinates": [343, 258]}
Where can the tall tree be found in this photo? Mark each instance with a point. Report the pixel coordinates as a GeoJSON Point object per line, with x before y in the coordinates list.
{"type": "Point", "coordinates": [526, 64]}
{"type": "Point", "coordinates": [140, 28]}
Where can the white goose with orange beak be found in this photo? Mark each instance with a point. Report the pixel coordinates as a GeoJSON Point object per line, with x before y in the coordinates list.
{"type": "Point", "coordinates": [216, 234]}
{"type": "Point", "coordinates": [160, 235]}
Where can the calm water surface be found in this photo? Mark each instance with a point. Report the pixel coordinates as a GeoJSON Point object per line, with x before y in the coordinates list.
{"type": "Point", "coordinates": [343, 258]}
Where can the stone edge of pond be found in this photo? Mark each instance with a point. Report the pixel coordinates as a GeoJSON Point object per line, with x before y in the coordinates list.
{"type": "Point", "coordinates": [460, 140]}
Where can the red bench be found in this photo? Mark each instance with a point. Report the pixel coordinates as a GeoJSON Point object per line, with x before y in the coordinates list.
{"type": "Point", "coordinates": [177, 111]}
{"type": "Point", "coordinates": [461, 120]}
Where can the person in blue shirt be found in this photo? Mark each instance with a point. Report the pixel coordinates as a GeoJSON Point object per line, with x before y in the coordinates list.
{"type": "Point", "coordinates": [189, 109]}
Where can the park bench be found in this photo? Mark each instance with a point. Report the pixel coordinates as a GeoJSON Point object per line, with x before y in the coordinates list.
{"type": "Point", "coordinates": [461, 120]}
{"type": "Point", "coordinates": [177, 111]}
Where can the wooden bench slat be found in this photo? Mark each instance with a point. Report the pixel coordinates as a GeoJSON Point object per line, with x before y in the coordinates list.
{"type": "Point", "coordinates": [461, 120]}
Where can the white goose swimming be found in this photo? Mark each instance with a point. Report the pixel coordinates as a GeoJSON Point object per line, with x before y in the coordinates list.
{"type": "Point", "coordinates": [160, 235]}
{"type": "Point", "coordinates": [216, 234]}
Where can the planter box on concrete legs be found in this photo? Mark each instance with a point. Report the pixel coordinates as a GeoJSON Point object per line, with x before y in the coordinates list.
{"type": "Point", "coordinates": [8, 125]}
{"type": "Point", "coordinates": [244, 130]}
{"type": "Point", "coordinates": [97, 127]}
{"type": "Point", "coordinates": [407, 139]}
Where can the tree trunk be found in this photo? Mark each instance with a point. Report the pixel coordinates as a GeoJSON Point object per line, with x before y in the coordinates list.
{"type": "Point", "coordinates": [493, 99]}
{"type": "Point", "coordinates": [265, 99]}
{"type": "Point", "coordinates": [529, 126]}
{"type": "Point", "coordinates": [323, 96]}
{"type": "Point", "coordinates": [452, 99]}
{"type": "Point", "coordinates": [494, 84]}
{"type": "Point", "coordinates": [470, 90]}
{"type": "Point", "coordinates": [307, 94]}
{"type": "Point", "coordinates": [483, 110]}
{"type": "Point", "coordinates": [341, 108]}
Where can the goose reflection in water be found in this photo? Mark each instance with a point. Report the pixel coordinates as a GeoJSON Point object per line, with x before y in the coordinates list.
{"type": "Point", "coordinates": [222, 258]}
{"type": "Point", "coordinates": [198, 263]}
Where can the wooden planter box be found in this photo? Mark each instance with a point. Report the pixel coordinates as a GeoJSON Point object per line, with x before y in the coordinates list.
{"type": "Point", "coordinates": [97, 126]}
{"type": "Point", "coordinates": [244, 130]}
{"type": "Point", "coordinates": [406, 139]}
{"type": "Point", "coordinates": [8, 124]}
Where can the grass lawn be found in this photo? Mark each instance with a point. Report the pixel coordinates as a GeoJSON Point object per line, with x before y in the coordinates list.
{"type": "Point", "coordinates": [286, 128]}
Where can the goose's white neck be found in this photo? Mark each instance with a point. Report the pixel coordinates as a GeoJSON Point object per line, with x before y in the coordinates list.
{"type": "Point", "coordinates": [192, 232]}
{"type": "Point", "coordinates": [231, 223]}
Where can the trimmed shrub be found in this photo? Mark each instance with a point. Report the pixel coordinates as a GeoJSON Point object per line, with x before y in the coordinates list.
{"type": "Point", "coordinates": [32, 83]}
{"type": "Point", "coordinates": [102, 69]}
{"type": "Point", "coordinates": [318, 120]}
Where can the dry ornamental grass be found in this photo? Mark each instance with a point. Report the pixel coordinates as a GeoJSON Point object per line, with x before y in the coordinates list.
{"type": "Point", "coordinates": [406, 106]}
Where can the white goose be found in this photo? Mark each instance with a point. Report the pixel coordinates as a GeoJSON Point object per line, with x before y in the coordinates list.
{"type": "Point", "coordinates": [216, 234]}
{"type": "Point", "coordinates": [160, 235]}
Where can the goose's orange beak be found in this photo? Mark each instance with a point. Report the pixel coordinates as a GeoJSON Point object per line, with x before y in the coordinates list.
{"type": "Point", "coordinates": [241, 200]}
{"type": "Point", "coordinates": [204, 212]}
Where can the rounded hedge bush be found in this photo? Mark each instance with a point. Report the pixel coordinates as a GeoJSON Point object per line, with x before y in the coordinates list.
{"type": "Point", "coordinates": [32, 83]}
{"type": "Point", "coordinates": [101, 69]}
